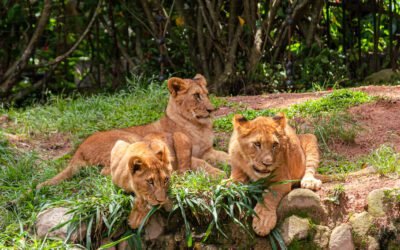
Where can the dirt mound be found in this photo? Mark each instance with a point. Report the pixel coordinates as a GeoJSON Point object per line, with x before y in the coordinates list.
{"type": "Point", "coordinates": [282, 100]}
{"type": "Point", "coordinates": [380, 123]}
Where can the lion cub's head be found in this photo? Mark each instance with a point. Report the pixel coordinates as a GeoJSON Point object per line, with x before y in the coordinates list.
{"type": "Point", "coordinates": [189, 99]}
{"type": "Point", "coordinates": [143, 168]}
{"type": "Point", "coordinates": [261, 142]}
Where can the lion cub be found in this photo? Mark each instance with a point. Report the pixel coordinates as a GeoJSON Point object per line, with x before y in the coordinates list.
{"type": "Point", "coordinates": [268, 145]}
{"type": "Point", "coordinates": [142, 168]}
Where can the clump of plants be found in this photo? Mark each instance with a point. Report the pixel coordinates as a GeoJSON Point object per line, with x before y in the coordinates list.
{"type": "Point", "coordinates": [202, 200]}
{"type": "Point", "coordinates": [385, 160]}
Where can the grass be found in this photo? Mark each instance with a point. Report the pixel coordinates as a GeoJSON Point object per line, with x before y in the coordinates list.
{"type": "Point", "coordinates": [81, 115]}
{"type": "Point", "coordinates": [384, 159]}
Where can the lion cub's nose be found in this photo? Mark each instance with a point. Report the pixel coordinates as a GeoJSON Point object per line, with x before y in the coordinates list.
{"type": "Point", "coordinates": [267, 163]}
{"type": "Point", "coordinates": [212, 109]}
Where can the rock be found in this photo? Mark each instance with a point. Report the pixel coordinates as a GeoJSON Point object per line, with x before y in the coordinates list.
{"type": "Point", "coordinates": [154, 228]}
{"type": "Point", "coordinates": [302, 201]}
{"type": "Point", "coordinates": [201, 246]}
{"type": "Point", "coordinates": [384, 75]}
{"type": "Point", "coordinates": [373, 244]}
{"type": "Point", "coordinates": [293, 228]}
{"type": "Point", "coordinates": [52, 217]}
{"type": "Point", "coordinates": [341, 238]}
{"type": "Point", "coordinates": [321, 237]}
{"type": "Point", "coordinates": [375, 202]}
{"type": "Point", "coordinates": [361, 223]}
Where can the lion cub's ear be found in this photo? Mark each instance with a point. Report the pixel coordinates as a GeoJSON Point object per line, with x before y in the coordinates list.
{"type": "Point", "coordinates": [135, 164]}
{"type": "Point", "coordinates": [280, 119]}
{"type": "Point", "coordinates": [240, 123]}
{"type": "Point", "coordinates": [201, 79]}
{"type": "Point", "coordinates": [176, 85]}
{"type": "Point", "coordinates": [161, 151]}
{"type": "Point", "coordinates": [118, 152]}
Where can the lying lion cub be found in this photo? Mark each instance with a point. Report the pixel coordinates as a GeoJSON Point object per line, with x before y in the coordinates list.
{"type": "Point", "coordinates": [268, 145]}
{"type": "Point", "coordinates": [188, 113]}
{"type": "Point", "coordinates": [143, 168]}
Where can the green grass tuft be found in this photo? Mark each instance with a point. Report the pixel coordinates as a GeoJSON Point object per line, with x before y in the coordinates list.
{"type": "Point", "coordinates": [385, 160]}
{"type": "Point", "coordinates": [202, 200]}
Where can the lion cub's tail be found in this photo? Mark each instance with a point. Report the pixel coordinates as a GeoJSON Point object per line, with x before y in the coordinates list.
{"type": "Point", "coordinates": [73, 167]}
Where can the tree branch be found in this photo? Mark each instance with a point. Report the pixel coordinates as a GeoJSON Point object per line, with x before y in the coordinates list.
{"type": "Point", "coordinates": [12, 74]}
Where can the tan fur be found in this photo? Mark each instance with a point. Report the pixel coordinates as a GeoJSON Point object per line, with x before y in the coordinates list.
{"type": "Point", "coordinates": [268, 145]}
{"type": "Point", "coordinates": [143, 168]}
{"type": "Point", "coordinates": [187, 121]}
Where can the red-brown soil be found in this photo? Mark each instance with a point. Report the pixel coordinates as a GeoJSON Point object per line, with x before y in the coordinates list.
{"type": "Point", "coordinates": [380, 123]}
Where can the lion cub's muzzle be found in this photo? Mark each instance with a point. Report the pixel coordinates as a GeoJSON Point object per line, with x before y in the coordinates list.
{"type": "Point", "coordinates": [262, 170]}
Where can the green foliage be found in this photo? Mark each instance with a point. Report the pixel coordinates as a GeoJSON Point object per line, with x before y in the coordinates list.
{"type": "Point", "coordinates": [336, 194]}
{"type": "Point", "coordinates": [320, 69]}
{"type": "Point", "coordinates": [385, 160]}
{"type": "Point", "coordinates": [201, 200]}
{"type": "Point", "coordinates": [338, 100]}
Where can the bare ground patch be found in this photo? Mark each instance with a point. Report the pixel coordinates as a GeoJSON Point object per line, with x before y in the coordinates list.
{"type": "Point", "coordinates": [283, 100]}
{"type": "Point", "coordinates": [380, 123]}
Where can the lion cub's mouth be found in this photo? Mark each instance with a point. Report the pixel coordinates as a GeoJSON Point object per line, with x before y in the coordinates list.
{"type": "Point", "coordinates": [261, 171]}
{"type": "Point", "coordinates": [203, 116]}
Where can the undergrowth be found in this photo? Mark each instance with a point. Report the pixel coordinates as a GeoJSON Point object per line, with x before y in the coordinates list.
{"type": "Point", "coordinates": [204, 199]}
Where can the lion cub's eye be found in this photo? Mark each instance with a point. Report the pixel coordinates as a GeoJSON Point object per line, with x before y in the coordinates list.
{"type": "Point", "coordinates": [166, 180]}
{"type": "Point", "coordinates": [257, 144]}
{"type": "Point", "coordinates": [275, 145]}
{"type": "Point", "coordinates": [150, 182]}
{"type": "Point", "coordinates": [197, 96]}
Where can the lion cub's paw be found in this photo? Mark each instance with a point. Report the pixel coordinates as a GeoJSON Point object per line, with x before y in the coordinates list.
{"type": "Point", "coordinates": [135, 218]}
{"type": "Point", "coordinates": [168, 205]}
{"type": "Point", "coordinates": [265, 222]}
{"type": "Point", "coordinates": [310, 182]}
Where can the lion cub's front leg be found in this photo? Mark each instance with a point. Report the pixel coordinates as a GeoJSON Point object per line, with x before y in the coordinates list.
{"type": "Point", "coordinates": [216, 156]}
{"type": "Point", "coordinates": [310, 147]}
{"type": "Point", "coordinates": [138, 213]}
{"type": "Point", "coordinates": [265, 219]}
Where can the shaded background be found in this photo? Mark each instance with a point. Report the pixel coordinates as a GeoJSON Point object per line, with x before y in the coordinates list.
{"type": "Point", "coordinates": [242, 47]}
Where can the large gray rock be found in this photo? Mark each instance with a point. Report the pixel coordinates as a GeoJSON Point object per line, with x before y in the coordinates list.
{"type": "Point", "coordinates": [294, 228]}
{"type": "Point", "coordinates": [361, 223]}
{"type": "Point", "coordinates": [321, 237]}
{"type": "Point", "coordinates": [302, 201]}
{"type": "Point", "coordinates": [375, 202]}
{"type": "Point", "coordinates": [384, 75]}
{"type": "Point", "coordinates": [50, 218]}
{"type": "Point", "coordinates": [341, 238]}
